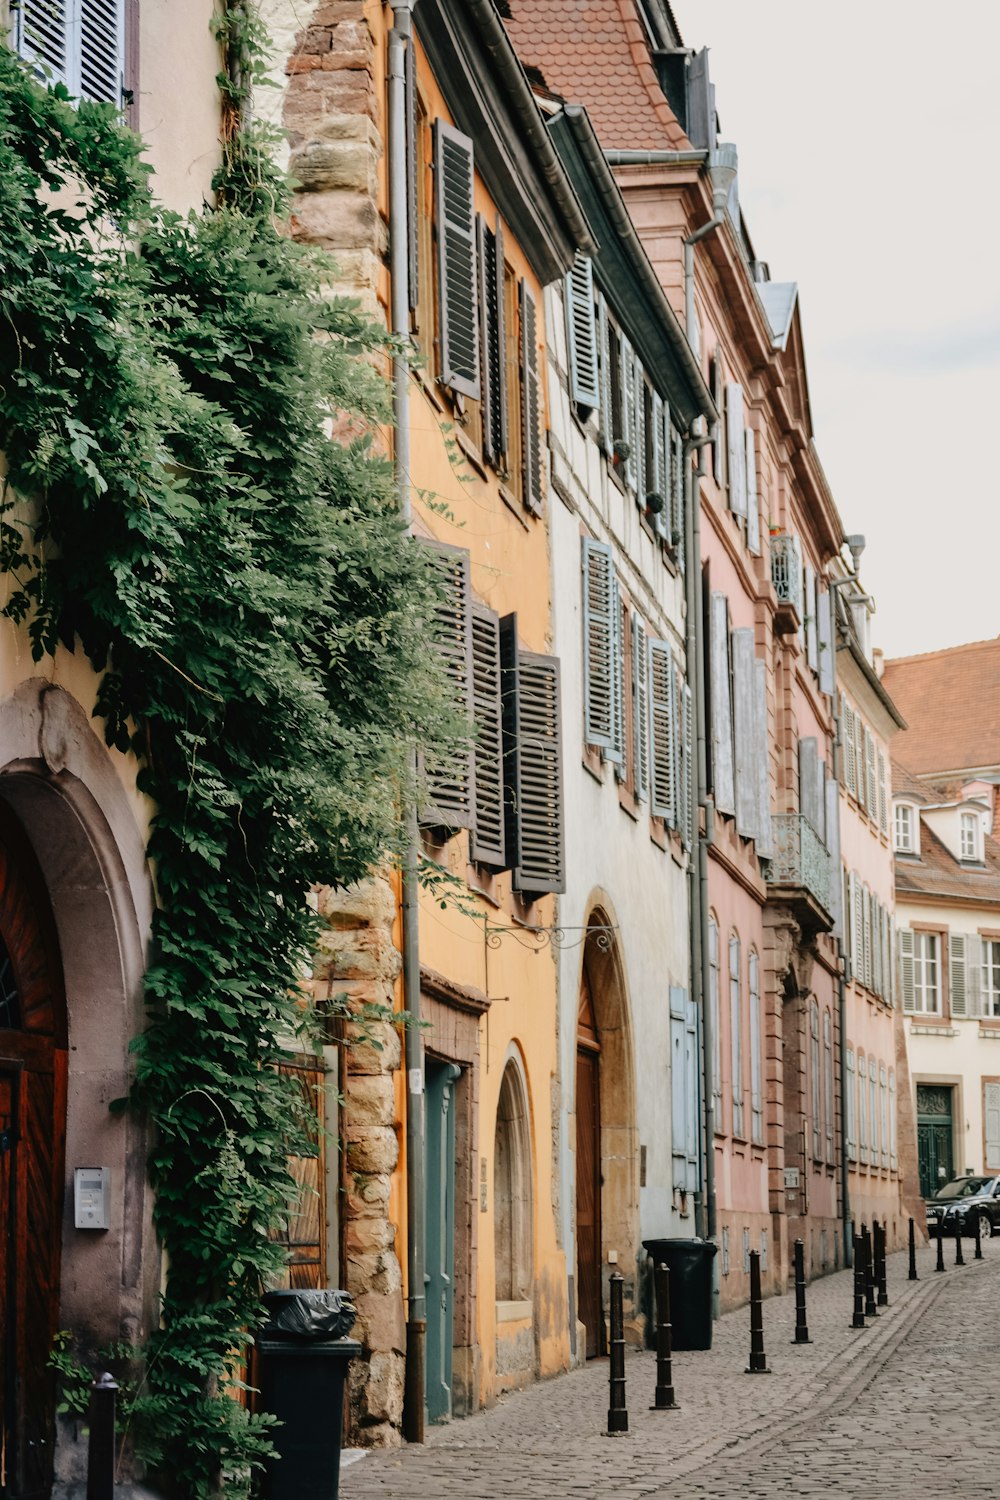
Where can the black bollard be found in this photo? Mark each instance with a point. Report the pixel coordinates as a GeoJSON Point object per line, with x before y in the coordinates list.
{"type": "Point", "coordinates": [617, 1415]}
{"type": "Point", "coordinates": [758, 1359]}
{"type": "Point", "coordinates": [871, 1310]}
{"type": "Point", "coordinates": [801, 1326]}
{"type": "Point", "coordinates": [913, 1253]}
{"type": "Point", "coordinates": [101, 1450]}
{"type": "Point", "coordinates": [940, 1246]}
{"type": "Point", "coordinates": [979, 1238]}
{"type": "Point", "coordinates": [664, 1398]}
{"type": "Point", "coordinates": [880, 1236]}
{"type": "Point", "coordinates": [858, 1320]}
{"type": "Point", "coordinates": [959, 1257]}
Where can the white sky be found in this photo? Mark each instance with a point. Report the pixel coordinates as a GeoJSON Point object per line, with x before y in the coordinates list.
{"type": "Point", "coordinates": [869, 142]}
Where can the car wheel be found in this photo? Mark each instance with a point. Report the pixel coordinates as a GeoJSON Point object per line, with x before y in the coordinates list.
{"type": "Point", "coordinates": [985, 1226]}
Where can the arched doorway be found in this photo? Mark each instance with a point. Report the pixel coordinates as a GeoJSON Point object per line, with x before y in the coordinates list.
{"type": "Point", "coordinates": [607, 1155]}
{"type": "Point", "coordinates": [512, 1191]}
{"type": "Point", "coordinates": [33, 1056]}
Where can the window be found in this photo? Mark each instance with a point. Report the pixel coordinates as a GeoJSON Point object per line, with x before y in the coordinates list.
{"type": "Point", "coordinates": [969, 836]}
{"type": "Point", "coordinates": [873, 1110]}
{"type": "Point", "coordinates": [991, 977]}
{"type": "Point", "coordinates": [905, 828]}
{"type": "Point", "coordinates": [756, 1054]}
{"type": "Point", "coordinates": [920, 963]}
{"type": "Point", "coordinates": [685, 1113]}
{"type": "Point", "coordinates": [716, 1015]}
{"type": "Point", "coordinates": [828, 1089]}
{"type": "Point", "coordinates": [862, 1107]}
{"type": "Point", "coordinates": [852, 1129]}
{"type": "Point", "coordinates": [736, 1031]}
{"type": "Point", "coordinates": [80, 43]}
{"type": "Point", "coordinates": [893, 1156]}
{"type": "Point", "coordinates": [883, 1095]}
{"type": "Point", "coordinates": [817, 1084]}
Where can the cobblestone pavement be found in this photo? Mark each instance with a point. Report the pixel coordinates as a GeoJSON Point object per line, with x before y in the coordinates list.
{"type": "Point", "coordinates": [899, 1409]}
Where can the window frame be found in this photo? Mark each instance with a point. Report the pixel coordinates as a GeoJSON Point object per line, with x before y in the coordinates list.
{"type": "Point", "coordinates": [909, 809]}
{"type": "Point", "coordinates": [968, 822]}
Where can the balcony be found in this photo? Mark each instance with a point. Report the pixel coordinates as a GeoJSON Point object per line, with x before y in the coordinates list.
{"type": "Point", "coordinates": [786, 575]}
{"type": "Point", "coordinates": [800, 874]}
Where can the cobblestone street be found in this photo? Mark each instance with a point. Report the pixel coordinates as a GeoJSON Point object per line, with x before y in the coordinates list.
{"type": "Point", "coordinates": [897, 1410]}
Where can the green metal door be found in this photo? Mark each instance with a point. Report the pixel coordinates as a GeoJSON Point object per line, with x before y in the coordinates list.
{"type": "Point", "coordinates": [935, 1137]}
{"type": "Point", "coordinates": [440, 1270]}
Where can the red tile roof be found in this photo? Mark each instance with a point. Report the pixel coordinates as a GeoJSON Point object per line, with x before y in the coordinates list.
{"type": "Point", "coordinates": [595, 53]}
{"type": "Point", "coordinates": [938, 873]}
{"type": "Point", "coordinates": [951, 703]}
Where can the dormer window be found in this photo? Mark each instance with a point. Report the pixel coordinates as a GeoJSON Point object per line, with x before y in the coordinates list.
{"type": "Point", "coordinates": [970, 837]}
{"type": "Point", "coordinates": [905, 836]}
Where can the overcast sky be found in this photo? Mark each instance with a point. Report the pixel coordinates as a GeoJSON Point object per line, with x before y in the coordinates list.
{"type": "Point", "coordinates": [869, 142]}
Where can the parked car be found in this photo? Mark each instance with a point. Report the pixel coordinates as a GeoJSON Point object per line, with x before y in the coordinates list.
{"type": "Point", "coordinates": [956, 1206]}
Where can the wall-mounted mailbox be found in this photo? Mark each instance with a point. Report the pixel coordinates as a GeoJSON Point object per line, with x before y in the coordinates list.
{"type": "Point", "coordinates": [91, 1197]}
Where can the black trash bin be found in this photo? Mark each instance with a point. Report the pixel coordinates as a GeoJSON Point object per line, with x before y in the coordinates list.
{"type": "Point", "coordinates": [690, 1266]}
{"type": "Point", "coordinates": [303, 1360]}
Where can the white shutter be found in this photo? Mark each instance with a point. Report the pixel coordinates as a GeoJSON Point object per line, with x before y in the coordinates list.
{"type": "Point", "coordinates": [862, 1109]}
{"type": "Point", "coordinates": [991, 1109]}
{"type": "Point", "coordinates": [883, 1099]}
{"type": "Point", "coordinates": [871, 774]}
{"type": "Point", "coordinates": [680, 472]}
{"type": "Point", "coordinates": [618, 754]}
{"type": "Point", "coordinates": [599, 604]}
{"type": "Point", "coordinates": [974, 974]}
{"type": "Point", "coordinates": [663, 732]}
{"type": "Point", "coordinates": [810, 793]}
{"type": "Point", "coordinates": [852, 1135]}
{"type": "Point", "coordinates": [762, 763]}
{"type": "Point", "coordinates": [736, 449]}
{"type": "Point", "coordinates": [658, 483]}
{"type": "Point", "coordinates": [640, 709]}
{"type": "Point", "coordinates": [581, 330]}
{"type": "Point", "coordinates": [866, 913]}
{"type": "Point", "coordinates": [829, 1090]}
{"type": "Point", "coordinates": [906, 966]}
{"type": "Point", "coordinates": [849, 724]}
{"type": "Point", "coordinates": [736, 1031]}
{"type": "Point", "coordinates": [753, 499]}
{"type": "Point", "coordinates": [809, 604]}
{"type": "Point", "coordinates": [873, 1114]}
{"type": "Point", "coordinates": [686, 795]}
{"type": "Point", "coordinates": [893, 1157]}
{"type": "Point", "coordinates": [883, 797]}
{"type": "Point", "coordinates": [859, 760]}
{"type": "Point", "coordinates": [827, 654]}
{"type": "Point", "coordinates": [80, 43]}
{"type": "Point", "coordinates": [102, 52]}
{"type": "Point", "coordinates": [744, 737]}
{"type": "Point", "coordinates": [630, 429]}
{"type": "Point", "coordinates": [723, 780]}
{"type": "Point", "coordinates": [832, 795]}
{"type": "Point", "coordinates": [956, 972]}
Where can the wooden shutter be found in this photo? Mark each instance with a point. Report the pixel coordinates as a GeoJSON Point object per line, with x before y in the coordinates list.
{"type": "Point", "coordinates": [871, 774]}
{"type": "Point", "coordinates": [883, 797]}
{"type": "Point", "coordinates": [663, 732]}
{"type": "Point", "coordinates": [618, 754]}
{"type": "Point", "coordinates": [906, 966]}
{"type": "Point", "coordinates": [487, 841]}
{"type": "Point", "coordinates": [828, 1084]}
{"type": "Point", "coordinates": [876, 944]}
{"type": "Point", "coordinates": [101, 50]}
{"type": "Point", "coordinates": [873, 1114]}
{"type": "Point", "coordinates": [831, 792]}
{"type": "Point", "coordinates": [736, 449]}
{"type": "Point", "coordinates": [719, 430]}
{"type": "Point", "coordinates": [606, 421]}
{"type": "Point", "coordinates": [744, 737]}
{"type": "Point", "coordinates": [756, 1055]}
{"type": "Point", "coordinates": [848, 721]}
{"type": "Point", "coordinates": [686, 793]}
{"type": "Point", "coordinates": [809, 604]}
{"type": "Point", "coordinates": [457, 290]}
{"type": "Point", "coordinates": [658, 482]}
{"type": "Point", "coordinates": [510, 700]}
{"type": "Point", "coordinates": [493, 381]}
{"type": "Point", "coordinates": [883, 1100]}
{"type": "Point", "coordinates": [893, 1157]}
{"type": "Point", "coordinates": [581, 332]}
{"type": "Point", "coordinates": [448, 792]}
{"type": "Point", "coordinates": [600, 604]}
{"type": "Point", "coordinates": [412, 176]}
{"type": "Point", "coordinates": [736, 1031]}
{"type": "Point", "coordinates": [964, 973]}
{"type": "Point", "coordinates": [679, 471]}
{"type": "Point", "coordinates": [859, 761]}
{"type": "Point", "coordinates": [852, 1136]}
{"type": "Point", "coordinates": [991, 1110]}
{"type": "Point", "coordinates": [640, 710]}
{"type": "Point", "coordinates": [866, 915]}
{"type": "Point", "coordinates": [531, 403]}
{"type": "Point", "coordinates": [862, 1108]}
{"type": "Point", "coordinates": [723, 778]}
{"type": "Point", "coordinates": [762, 763]}
{"type": "Point", "coordinates": [541, 861]}
{"type": "Point", "coordinates": [809, 783]}
{"type": "Point", "coordinates": [827, 655]}
{"type": "Point", "coordinates": [753, 499]}
{"type": "Point", "coordinates": [641, 477]}
{"type": "Point", "coordinates": [630, 431]}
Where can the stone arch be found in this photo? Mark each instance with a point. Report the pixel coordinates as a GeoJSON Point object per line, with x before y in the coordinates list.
{"type": "Point", "coordinates": [512, 1186]}
{"type": "Point", "coordinates": [605, 1046]}
{"type": "Point", "coordinates": [60, 791]}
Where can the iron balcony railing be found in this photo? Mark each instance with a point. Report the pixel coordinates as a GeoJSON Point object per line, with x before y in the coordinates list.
{"type": "Point", "coordinates": [786, 570]}
{"type": "Point", "coordinates": [800, 858]}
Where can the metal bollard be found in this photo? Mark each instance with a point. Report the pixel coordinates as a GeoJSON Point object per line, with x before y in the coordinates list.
{"type": "Point", "coordinates": [880, 1238]}
{"type": "Point", "coordinates": [959, 1257]}
{"type": "Point", "coordinates": [940, 1246]}
{"type": "Point", "coordinates": [801, 1326]}
{"type": "Point", "coordinates": [913, 1253]}
{"type": "Point", "coordinates": [758, 1359]}
{"type": "Point", "coordinates": [859, 1284]}
{"type": "Point", "coordinates": [664, 1398]}
{"type": "Point", "coordinates": [101, 1450]}
{"type": "Point", "coordinates": [979, 1239]}
{"type": "Point", "coordinates": [871, 1310]}
{"type": "Point", "coordinates": [617, 1414]}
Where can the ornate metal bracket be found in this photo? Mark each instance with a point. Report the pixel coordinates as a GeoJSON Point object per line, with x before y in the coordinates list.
{"type": "Point", "coordinates": [537, 938]}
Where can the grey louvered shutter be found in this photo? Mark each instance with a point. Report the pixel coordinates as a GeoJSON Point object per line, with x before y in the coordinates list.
{"type": "Point", "coordinates": [753, 499]}
{"type": "Point", "coordinates": [866, 915]}
{"type": "Point", "coordinates": [744, 738]}
{"type": "Point", "coordinates": [762, 763]}
{"type": "Point", "coordinates": [809, 785]}
{"type": "Point", "coordinates": [991, 1110]}
{"type": "Point", "coordinates": [736, 449]}
{"type": "Point", "coordinates": [531, 403]}
{"type": "Point", "coordinates": [658, 482]}
{"type": "Point", "coordinates": [412, 174]}
{"type": "Point", "coordinates": [641, 477]}
{"type": "Point", "coordinates": [876, 944]}
{"type": "Point", "coordinates": [487, 840]}
{"type": "Point", "coordinates": [832, 796]}
{"type": "Point", "coordinates": [723, 780]}
{"type": "Point", "coordinates": [871, 774]}
{"type": "Point", "coordinates": [849, 723]}
{"type": "Point", "coordinates": [618, 754]}
{"type": "Point", "coordinates": [974, 974]}
{"type": "Point", "coordinates": [541, 860]}
{"type": "Point", "coordinates": [679, 472]}
{"type": "Point", "coordinates": [859, 761]}
{"type": "Point", "coordinates": [856, 938]}
{"type": "Point", "coordinates": [510, 702]}
{"type": "Point", "coordinates": [687, 767]}
{"type": "Point", "coordinates": [101, 50]}
{"type": "Point", "coordinates": [852, 1138]}
{"type": "Point", "coordinates": [883, 795]}
{"type": "Point", "coordinates": [600, 701]}
{"type": "Point", "coordinates": [493, 381]}
{"type": "Point", "coordinates": [640, 709]}
{"type": "Point", "coordinates": [719, 431]}
{"type": "Point", "coordinates": [630, 427]}
{"type": "Point", "coordinates": [827, 656]}
{"type": "Point", "coordinates": [458, 307]}
{"type": "Point", "coordinates": [812, 640]}
{"type": "Point", "coordinates": [606, 424]}
{"type": "Point", "coordinates": [957, 973]}
{"type": "Point", "coordinates": [581, 332]}
{"type": "Point", "coordinates": [663, 732]}
{"type": "Point", "coordinates": [448, 791]}
{"type": "Point", "coordinates": [43, 35]}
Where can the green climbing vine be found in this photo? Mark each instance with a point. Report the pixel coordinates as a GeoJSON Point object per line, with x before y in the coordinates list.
{"type": "Point", "coordinates": [174, 508]}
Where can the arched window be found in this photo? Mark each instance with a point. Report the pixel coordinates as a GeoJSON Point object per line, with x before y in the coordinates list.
{"type": "Point", "coordinates": [715, 1012]}
{"type": "Point", "coordinates": [736, 1030]}
{"type": "Point", "coordinates": [512, 1191]}
{"type": "Point", "coordinates": [756, 1053]}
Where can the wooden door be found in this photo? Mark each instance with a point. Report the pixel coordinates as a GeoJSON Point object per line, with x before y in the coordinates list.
{"type": "Point", "coordinates": [32, 1124]}
{"type": "Point", "coordinates": [588, 1174]}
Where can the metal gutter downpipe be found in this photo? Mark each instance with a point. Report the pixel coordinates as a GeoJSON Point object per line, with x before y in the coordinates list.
{"type": "Point", "coordinates": [722, 171]}
{"type": "Point", "coordinates": [700, 954]}
{"type": "Point", "coordinates": [401, 37]}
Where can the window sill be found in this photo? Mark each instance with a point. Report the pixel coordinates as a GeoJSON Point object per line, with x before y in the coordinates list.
{"type": "Point", "coordinates": [932, 1028]}
{"type": "Point", "coordinates": [514, 505]}
{"type": "Point", "coordinates": [470, 453]}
